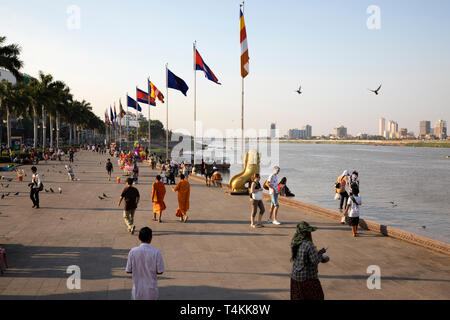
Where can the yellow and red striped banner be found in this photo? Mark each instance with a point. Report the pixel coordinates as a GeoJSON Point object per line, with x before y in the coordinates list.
{"type": "Point", "coordinates": [244, 48]}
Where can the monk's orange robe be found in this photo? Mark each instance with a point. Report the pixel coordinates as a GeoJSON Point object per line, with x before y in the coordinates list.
{"type": "Point", "coordinates": [158, 194]}
{"type": "Point", "coordinates": [184, 192]}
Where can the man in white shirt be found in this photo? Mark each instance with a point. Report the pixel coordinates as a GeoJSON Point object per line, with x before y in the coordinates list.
{"type": "Point", "coordinates": [273, 190]}
{"type": "Point", "coordinates": [145, 263]}
{"type": "Point", "coordinates": [35, 187]}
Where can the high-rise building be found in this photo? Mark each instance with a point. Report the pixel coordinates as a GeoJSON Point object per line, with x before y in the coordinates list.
{"type": "Point", "coordinates": [340, 132]}
{"type": "Point", "coordinates": [425, 128]}
{"type": "Point", "coordinates": [295, 134]}
{"type": "Point", "coordinates": [273, 131]}
{"type": "Point", "coordinates": [308, 131]}
{"type": "Point", "coordinates": [381, 126]}
{"type": "Point", "coordinates": [440, 129]}
{"type": "Point", "coordinates": [403, 133]}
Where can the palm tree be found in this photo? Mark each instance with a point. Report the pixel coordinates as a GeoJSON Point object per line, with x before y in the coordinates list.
{"type": "Point", "coordinates": [9, 58]}
{"type": "Point", "coordinates": [13, 101]}
{"type": "Point", "coordinates": [46, 95]}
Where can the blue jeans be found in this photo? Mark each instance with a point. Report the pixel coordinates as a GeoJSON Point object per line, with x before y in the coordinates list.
{"type": "Point", "coordinates": [274, 199]}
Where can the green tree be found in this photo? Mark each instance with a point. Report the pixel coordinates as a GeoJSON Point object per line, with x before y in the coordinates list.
{"type": "Point", "coordinates": [9, 58]}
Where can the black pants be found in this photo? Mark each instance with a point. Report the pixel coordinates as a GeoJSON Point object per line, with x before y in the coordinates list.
{"type": "Point", "coordinates": [34, 196]}
{"type": "Point", "coordinates": [344, 199]}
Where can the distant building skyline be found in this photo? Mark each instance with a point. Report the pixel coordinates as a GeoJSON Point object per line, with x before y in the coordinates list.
{"type": "Point", "coordinates": [340, 132]}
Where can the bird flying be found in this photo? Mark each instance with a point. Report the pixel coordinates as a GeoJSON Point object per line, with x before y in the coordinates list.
{"type": "Point", "coordinates": [376, 91]}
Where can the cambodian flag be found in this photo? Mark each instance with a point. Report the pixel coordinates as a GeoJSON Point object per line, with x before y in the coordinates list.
{"type": "Point", "coordinates": [201, 65]}
{"type": "Point", "coordinates": [142, 96]}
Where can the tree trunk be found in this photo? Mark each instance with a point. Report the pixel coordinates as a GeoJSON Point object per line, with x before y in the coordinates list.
{"type": "Point", "coordinates": [50, 118]}
{"type": "Point", "coordinates": [8, 128]}
{"type": "Point", "coordinates": [44, 129]}
{"type": "Point", "coordinates": [70, 134]}
{"type": "Point", "coordinates": [35, 129]}
{"type": "Point", "coordinates": [57, 130]}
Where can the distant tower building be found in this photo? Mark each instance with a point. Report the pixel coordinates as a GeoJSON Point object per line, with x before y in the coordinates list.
{"type": "Point", "coordinates": [403, 133]}
{"type": "Point", "coordinates": [381, 126]}
{"type": "Point", "coordinates": [308, 131]}
{"type": "Point", "coordinates": [294, 134]}
{"type": "Point", "coordinates": [440, 129]}
{"type": "Point", "coordinates": [340, 132]}
{"type": "Point", "coordinates": [425, 128]}
{"type": "Point", "coordinates": [273, 131]}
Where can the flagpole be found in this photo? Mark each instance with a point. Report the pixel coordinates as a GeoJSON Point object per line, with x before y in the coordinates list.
{"type": "Point", "coordinates": [120, 127]}
{"type": "Point", "coordinates": [242, 115]}
{"type": "Point", "coordinates": [137, 121]}
{"type": "Point", "coordinates": [195, 102]}
{"type": "Point", "coordinates": [167, 111]}
{"type": "Point", "coordinates": [126, 119]}
{"type": "Point", "coordinates": [149, 119]}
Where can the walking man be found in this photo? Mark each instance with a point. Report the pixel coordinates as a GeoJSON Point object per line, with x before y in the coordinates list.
{"type": "Point", "coordinates": [71, 156]}
{"type": "Point", "coordinates": [109, 169]}
{"type": "Point", "coordinates": [273, 190]}
{"type": "Point", "coordinates": [145, 263]}
{"type": "Point", "coordinates": [131, 196]}
{"type": "Point", "coordinates": [36, 186]}
{"type": "Point", "coordinates": [184, 192]}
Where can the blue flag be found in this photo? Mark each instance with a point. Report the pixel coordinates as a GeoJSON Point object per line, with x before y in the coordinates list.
{"type": "Point", "coordinates": [176, 83]}
{"type": "Point", "coordinates": [112, 116]}
{"type": "Point", "coordinates": [133, 104]}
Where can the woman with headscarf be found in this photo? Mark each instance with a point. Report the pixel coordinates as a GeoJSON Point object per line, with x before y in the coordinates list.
{"type": "Point", "coordinates": [305, 284]}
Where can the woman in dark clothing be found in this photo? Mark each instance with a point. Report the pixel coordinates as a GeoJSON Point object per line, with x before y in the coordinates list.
{"type": "Point", "coordinates": [283, 190]}
{"type": "Point", "coordinates": [305, 284]}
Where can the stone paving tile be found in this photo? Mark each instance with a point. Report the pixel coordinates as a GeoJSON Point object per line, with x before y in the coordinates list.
{"type": "Point", "coordinates": [214, 256]}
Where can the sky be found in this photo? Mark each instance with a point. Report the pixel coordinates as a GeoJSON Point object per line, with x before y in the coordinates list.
{"type": "Point", "coordinates": [325, 46]}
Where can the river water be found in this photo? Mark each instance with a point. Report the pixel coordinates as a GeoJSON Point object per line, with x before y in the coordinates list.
{"type": "Point", "coordinates": [417, 180]}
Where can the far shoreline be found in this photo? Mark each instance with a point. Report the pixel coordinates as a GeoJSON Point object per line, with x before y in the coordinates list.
{"type": "Point", "coordinates": [394, 143]}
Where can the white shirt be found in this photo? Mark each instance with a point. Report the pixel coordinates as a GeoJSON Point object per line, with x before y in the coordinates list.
{"type": "Point", "coordinates": [145, 262]}
{"type": "Point", "coordinates": [354, 207]}
{"type": "Point", "coordinates": [36, 178]}
{"type": "Point", "coordinates": [273, 182]}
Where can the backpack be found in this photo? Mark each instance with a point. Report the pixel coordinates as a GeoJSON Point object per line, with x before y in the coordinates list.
{"type": "Point", "coordinates": [337, 185]}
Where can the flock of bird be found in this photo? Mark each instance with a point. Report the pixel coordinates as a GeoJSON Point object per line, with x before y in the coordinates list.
{"type": "Point", "coordinates": [377, 91]}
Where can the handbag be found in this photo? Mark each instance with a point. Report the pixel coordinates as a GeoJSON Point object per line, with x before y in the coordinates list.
{"type": "Point", "coordinates": [337, 197]}
{"type": "Point", "coordinates": [257, 195]}
{"type": "Point", "coordinates": [266, 185]}
{"type": "Point", "coordinates": [343, 220]}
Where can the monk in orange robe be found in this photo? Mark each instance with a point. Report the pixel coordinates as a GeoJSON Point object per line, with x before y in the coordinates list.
{"type": "Point", "coordinates": [158, 194]}
{"type": "Point", "coordinates": [184, 192]}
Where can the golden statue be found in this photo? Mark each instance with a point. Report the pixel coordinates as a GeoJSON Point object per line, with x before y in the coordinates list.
{"type": "Point", "coordinates": [239, 181]}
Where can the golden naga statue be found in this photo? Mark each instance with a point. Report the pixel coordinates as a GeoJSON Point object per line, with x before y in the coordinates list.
{"type": "Point", "coordinates": [239, 181]}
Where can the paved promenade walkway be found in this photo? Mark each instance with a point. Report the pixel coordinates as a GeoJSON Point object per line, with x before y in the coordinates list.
{"type": "Point", "coordinates": [216, 255]}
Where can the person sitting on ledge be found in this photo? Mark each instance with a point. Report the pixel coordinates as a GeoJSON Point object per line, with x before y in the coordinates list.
{"type": "Point", "coordinates": [216, 178]}
{"type": "Point", "coordinates": [283, 190]}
